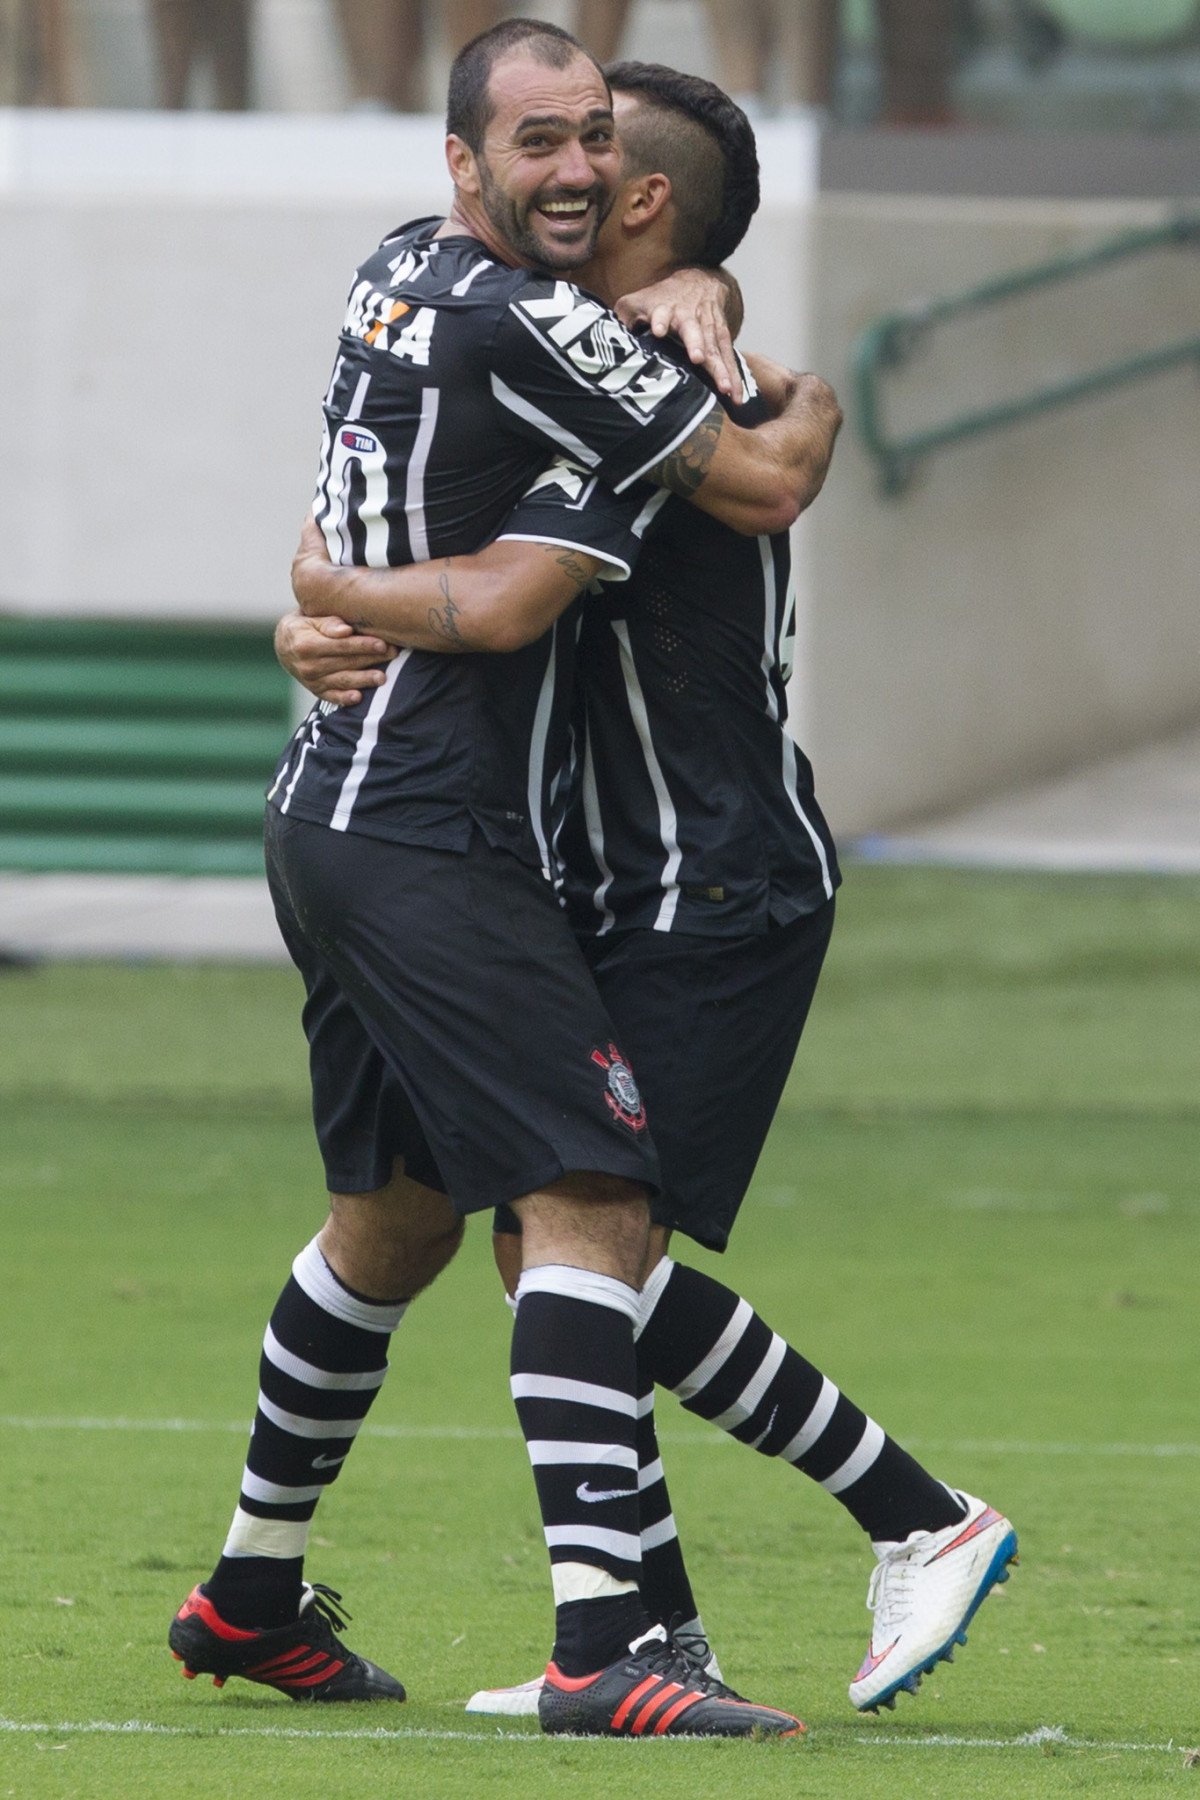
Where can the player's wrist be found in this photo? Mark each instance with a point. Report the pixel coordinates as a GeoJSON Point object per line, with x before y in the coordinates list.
{"type": "Point", "coordinates": [322, 589]}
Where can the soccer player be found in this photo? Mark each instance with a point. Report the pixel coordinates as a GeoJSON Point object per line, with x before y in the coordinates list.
{"type": "Point", "coordinates": [700, 874]}
{"type": "Point", "coordinates": [460, 1056]}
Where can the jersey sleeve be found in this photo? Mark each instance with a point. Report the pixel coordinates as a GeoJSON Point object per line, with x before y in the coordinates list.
{"type": "Point", "coordinates": [565, 372]}
{"type": "Point", "coordinates": [568, 505]}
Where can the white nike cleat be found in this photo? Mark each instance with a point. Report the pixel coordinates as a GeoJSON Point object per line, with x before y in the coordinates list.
{"type": "Point", "coordinates": [512, 1703]}
{"type": "Point", "coordinates": [924, 1593]}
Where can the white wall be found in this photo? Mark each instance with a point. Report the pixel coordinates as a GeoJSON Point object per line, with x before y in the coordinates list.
{"type": "Point", "coordinates": [1035, 599]}
{"type": "Point", "coordinates": [170, 295]}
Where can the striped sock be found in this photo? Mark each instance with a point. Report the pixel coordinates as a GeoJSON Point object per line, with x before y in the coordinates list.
{"type": "Point", "coordinates": [666, 1590]}
{"type": "Point", "coordinates": [324, 1358]}
{"type": "Point", "coordinates": [573, 1381]}
{"type": "Point", "coordinates": [713, 1351]}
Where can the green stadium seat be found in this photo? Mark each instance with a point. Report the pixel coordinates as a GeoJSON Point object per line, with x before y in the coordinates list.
{"type": "Point", "coordinates": [128, 746]}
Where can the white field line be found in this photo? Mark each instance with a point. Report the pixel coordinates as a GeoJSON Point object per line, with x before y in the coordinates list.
{"type": "Point", "coordinates": [495, 1434]}
{"type": "Point", "coordinates": [242, 1426]}
{"type": "Point", "coordinates": [1029, 1740]}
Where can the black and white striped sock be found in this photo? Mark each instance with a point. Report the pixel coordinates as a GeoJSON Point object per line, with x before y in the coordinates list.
{"type": "Point", "coordinates": [723, 1362]}
{"type": "Point", "coordinates": [573, 1381]}
{"type": "Point", "coordinates": [666, 1590]}
{"type": "Point", "coordinates": [323, 1361]}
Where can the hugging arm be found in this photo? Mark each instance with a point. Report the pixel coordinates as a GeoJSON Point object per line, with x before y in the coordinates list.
{"type": "Point", "coordinates": [761, 480]}
{"type": "Point", "coordinates": [703, 308]}
{"type": "Point", "coordinates": [328, 657]}
{"type": "Point", "coordinates": [499, 599]}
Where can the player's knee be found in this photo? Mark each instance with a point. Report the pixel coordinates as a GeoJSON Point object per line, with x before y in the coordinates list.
{"type": "Point", "coordinates": [393, 1241]}
{"type": "Point", "coordinates": [424, 1260]}
{"type": "Point", "coordinates": [589, 1220]}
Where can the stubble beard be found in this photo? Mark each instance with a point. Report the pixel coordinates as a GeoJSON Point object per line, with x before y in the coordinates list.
{"type": "Point", "coordinates": [514, 227]}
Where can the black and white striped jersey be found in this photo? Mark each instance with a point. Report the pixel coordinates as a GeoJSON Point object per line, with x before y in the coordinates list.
{"type": "Point", "coordinates": [457, 380]}
{"type": "Point", "coordinates": [690, 806]}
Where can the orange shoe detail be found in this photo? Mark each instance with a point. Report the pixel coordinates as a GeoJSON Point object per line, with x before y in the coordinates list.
{"type": "Point", "coordinates": [690, 1698]}
{"type": "Point", "coordinates": [307, 1681]}
{"type": "Point", "coordinates": [286, 1663]}
{"type": "Point", "coordinates": [667, 1692]}
{"type": "Point", "coordinates": [196, 1603]}
{"type": "Point", "coordinates": [288, 1671]}
{"type": "Point", "coordinates": [630, 1701]}
{"type": "Point", "coordinates": [570, 1684]}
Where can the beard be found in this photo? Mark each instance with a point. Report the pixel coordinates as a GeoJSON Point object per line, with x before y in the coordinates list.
{"type": "Point", "coordinates": [515, 223]}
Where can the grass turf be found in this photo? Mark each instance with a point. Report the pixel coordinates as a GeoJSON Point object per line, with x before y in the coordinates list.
{"type": "Point", "coordinates": [978, 1210]}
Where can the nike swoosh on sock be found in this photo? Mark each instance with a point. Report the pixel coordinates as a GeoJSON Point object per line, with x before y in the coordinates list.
{"type": "Point", "coordinates": [584, 1492]}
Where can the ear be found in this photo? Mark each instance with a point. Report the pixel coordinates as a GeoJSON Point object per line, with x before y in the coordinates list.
{"type": "Point", "coordinates": [645, 199]}
{"type": "Point", "coordinates": [460, 160]}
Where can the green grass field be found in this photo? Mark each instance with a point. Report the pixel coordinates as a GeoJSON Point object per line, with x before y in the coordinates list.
{"type": "Point", "coordinates": [978, 1212]}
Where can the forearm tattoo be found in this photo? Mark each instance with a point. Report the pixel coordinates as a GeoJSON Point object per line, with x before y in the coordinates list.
{"type": "Point", "coordinates": [569, 562]}
{"type": "Point", "coordinates": [443, 619]}
{"type": "Point", "coordinates": [684, 469]}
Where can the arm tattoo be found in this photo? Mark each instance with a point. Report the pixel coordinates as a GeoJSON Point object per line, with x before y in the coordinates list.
{"type": "Point", "coordinates": [684, 469]}
{"type": "Point", "coordinates": [569, 562]}
{"type": "Point", "coordinates": [443, 620]}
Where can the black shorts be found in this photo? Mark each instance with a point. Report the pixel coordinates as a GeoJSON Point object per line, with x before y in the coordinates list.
{"type": "Point", "coordinates": [711, 1026]}
{"type": "Point", "coordinates": [451, 1020]}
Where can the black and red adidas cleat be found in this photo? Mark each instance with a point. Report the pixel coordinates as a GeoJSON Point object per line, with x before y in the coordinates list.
{"type": "Point", "coordinates": [654, 1691]}
{"type": "Point", "coordinates": [304, 1660]}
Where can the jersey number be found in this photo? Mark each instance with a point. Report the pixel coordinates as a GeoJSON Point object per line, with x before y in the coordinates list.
{"type": "Point", "coordinates": [352, 447]}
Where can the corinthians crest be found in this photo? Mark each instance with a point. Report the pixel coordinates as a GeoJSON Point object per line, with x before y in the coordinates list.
{"type": "Point", "coordinates": [622, 1094]}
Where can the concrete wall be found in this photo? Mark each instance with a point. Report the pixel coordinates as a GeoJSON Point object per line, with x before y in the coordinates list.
{"type": "Point", "coordinates": [170, 292]}
{"type": "Point", "coordinates": [170, 296]}
{"type": "Point", "coordinates": [1034, 600]}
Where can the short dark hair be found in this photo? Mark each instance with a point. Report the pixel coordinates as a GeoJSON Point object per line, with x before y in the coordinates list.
{"type": "Point", "coordinates": [468, 102]}
{"type": "Point", "coordinates": [691, 131]}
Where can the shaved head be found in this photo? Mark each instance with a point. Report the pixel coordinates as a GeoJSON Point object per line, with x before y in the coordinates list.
{"type": "Point", "coordinates": [689, 130]}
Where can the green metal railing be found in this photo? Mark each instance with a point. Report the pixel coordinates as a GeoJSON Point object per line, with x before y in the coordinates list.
{"type": "Point", "coordinates": [891, 341]}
